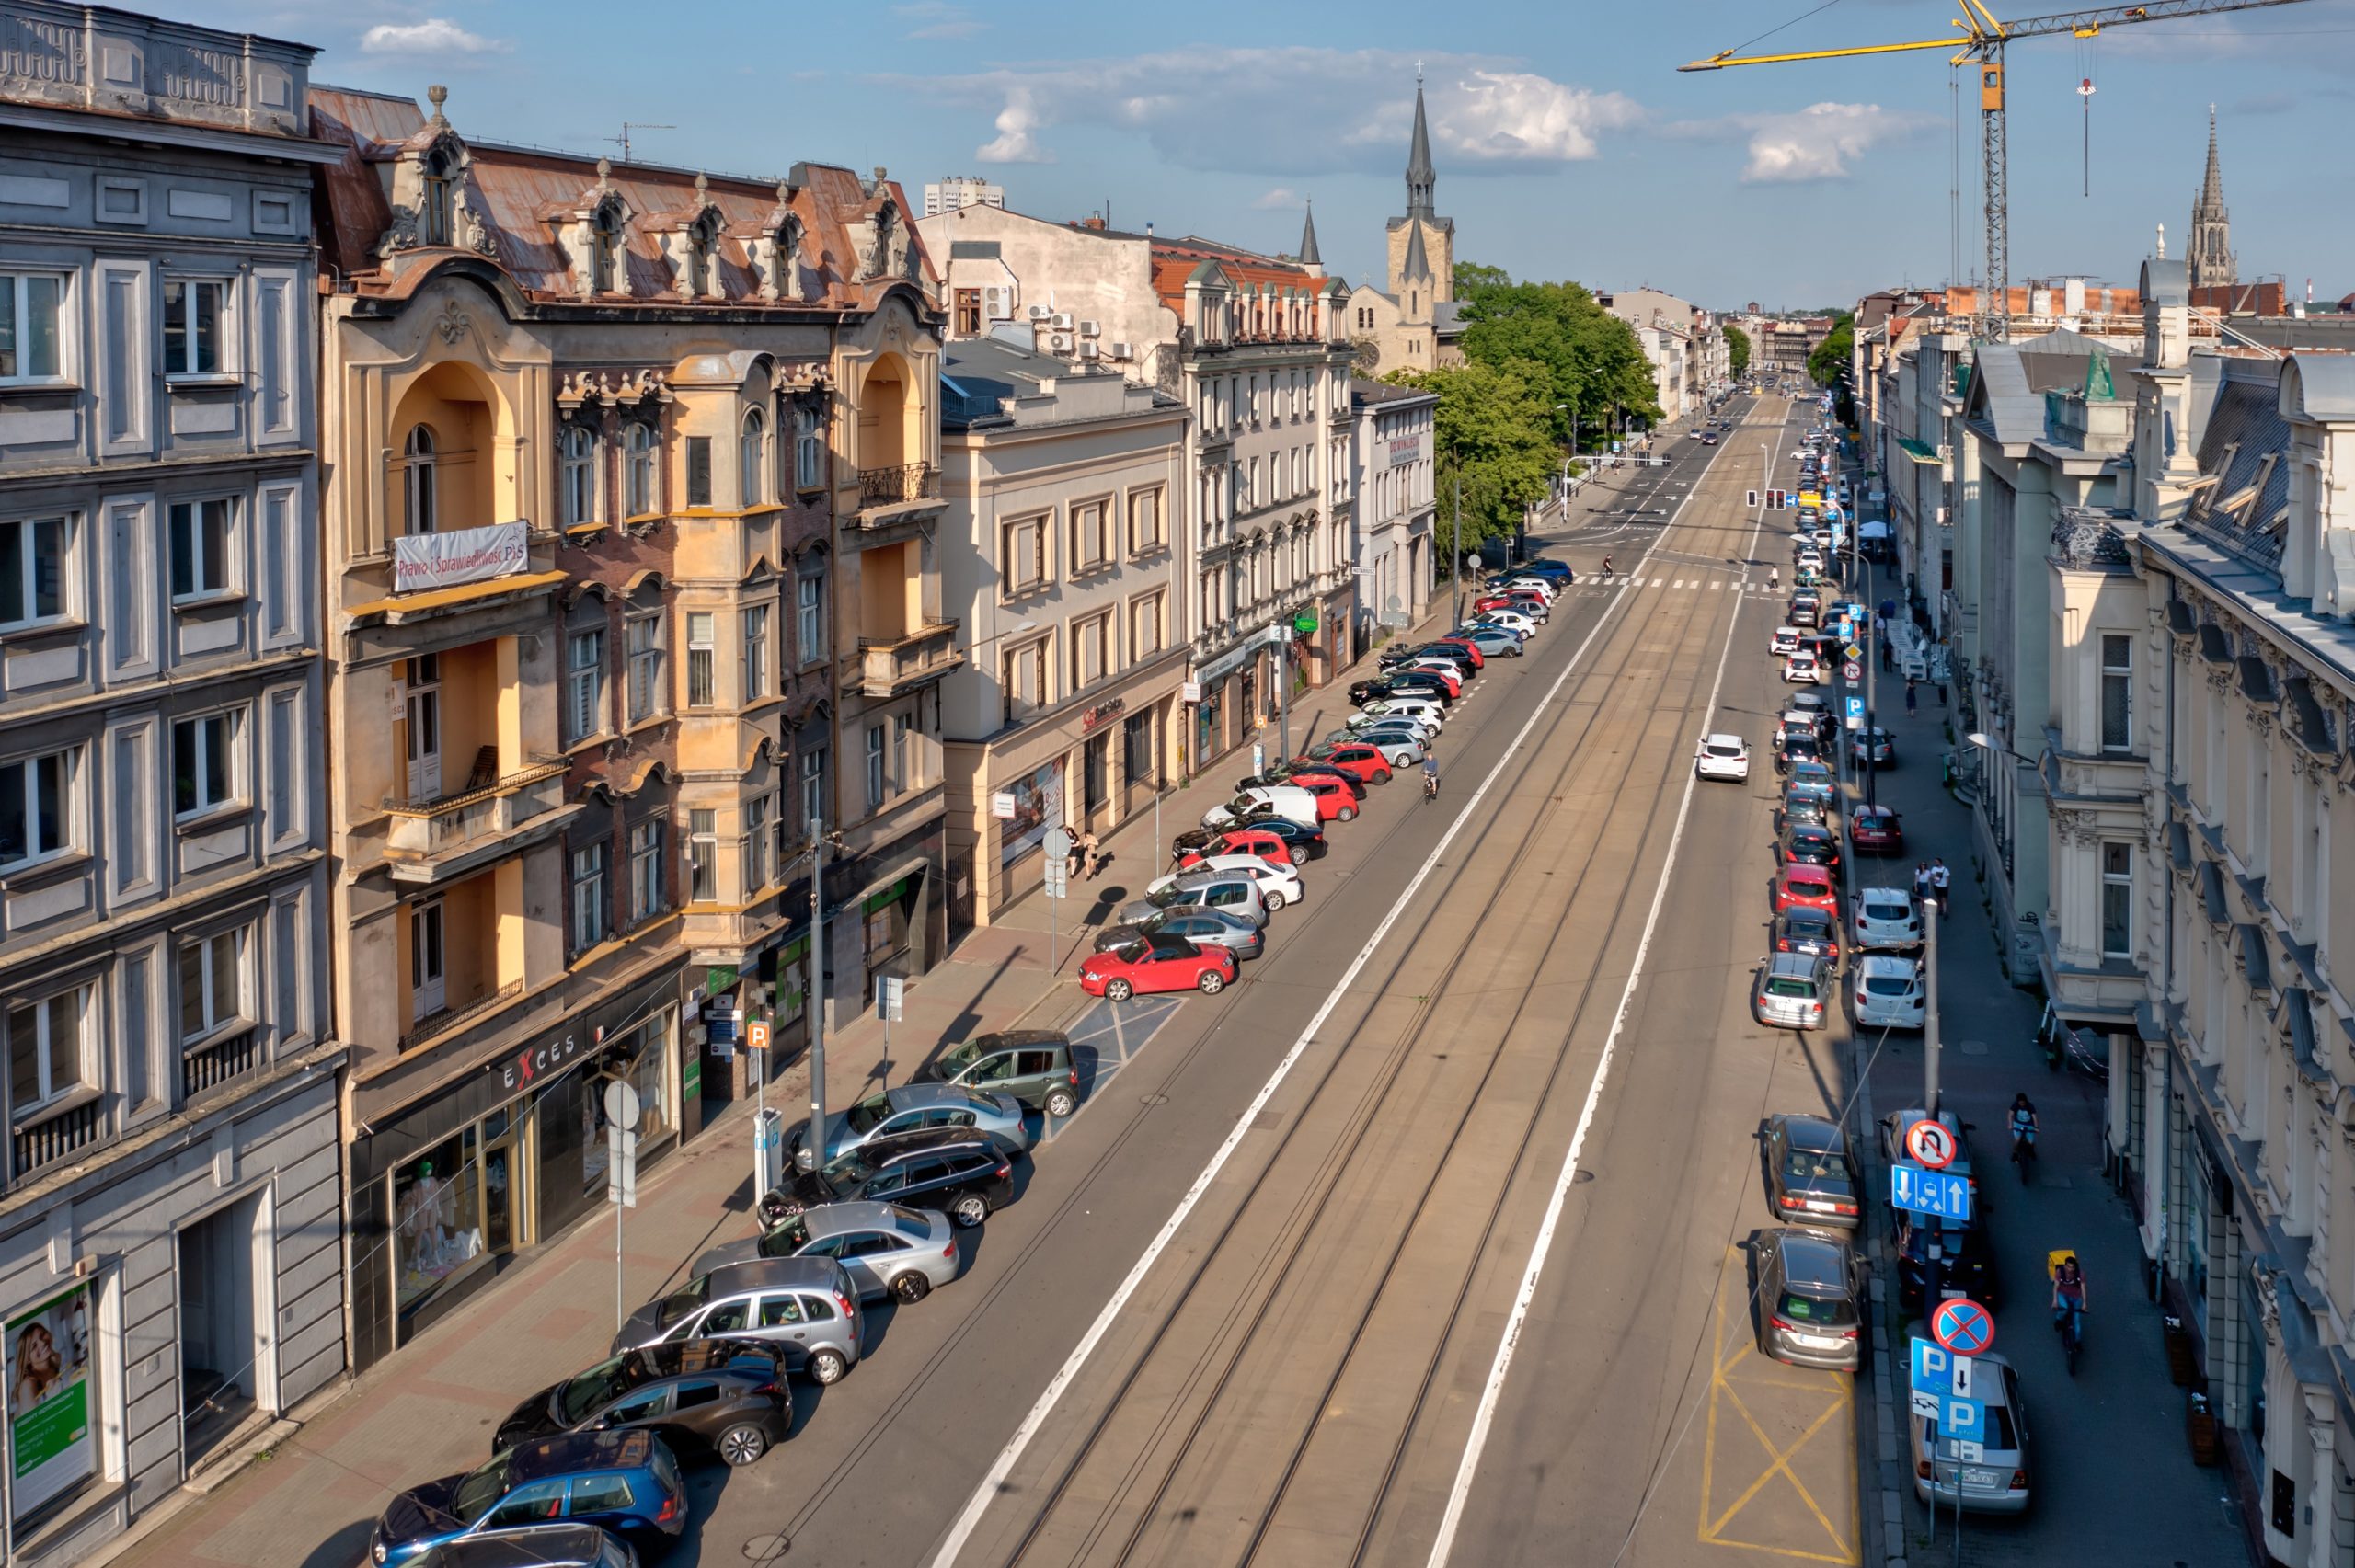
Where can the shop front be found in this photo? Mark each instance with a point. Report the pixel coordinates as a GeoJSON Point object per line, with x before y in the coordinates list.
{"type": "Point", "coordinates": [446, 1192]}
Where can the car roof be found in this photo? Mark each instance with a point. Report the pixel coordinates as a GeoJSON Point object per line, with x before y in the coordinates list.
{"type": "Point", "coordinates": [762, 1273]}
{"type": "Point", "coordinates": [555, 1545]}
{"type": "Point", "coordinates": [1793, 965]}
{"type": "Point", "coordinates": [1893, 895]}
{"type": "Point", "coordinates": [1888, 964]}
{"type": "Point", "coordinates": [919, 1140]}
{"type": "Point", "coordinates": [1804, 914]}
{"type": "Point", "coordinates": [571, 1451]}
{"type": "Point", "coordinates": [1813, 1132]}
{"type": "Point", "coordinates": [833, 1218]}
{"type": "Point", "coordinates": [909, 1095]}
{"type": "Point", "coordinates": [1004, 1038]}
{"type": "Point", "coordinates": [1804, 873]}
{"type": "Point", "coordinates": [1812, 1258]}
{"type": "Point", "coordinates": [1722, 740]}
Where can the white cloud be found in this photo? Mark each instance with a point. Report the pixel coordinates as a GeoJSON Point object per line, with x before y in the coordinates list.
{"type": "Point", "coordinates": [1281, 195]}
{"type": "Point", "coordinates": [1240, 110]}
{"type": "Point", "coordinates": [436, 35]}
{"type": "Point", "coordinates": [1821, 141]}
{"type": "Point", "coordinates": [937, 19]}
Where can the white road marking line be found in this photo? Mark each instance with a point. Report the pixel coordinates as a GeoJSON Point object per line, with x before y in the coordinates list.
{"type": "Point", "coordinates": [1492, 1392]}
{"type": "Point", "coordinates": [960, 1531]}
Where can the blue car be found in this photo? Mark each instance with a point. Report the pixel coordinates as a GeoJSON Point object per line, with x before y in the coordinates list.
{"type": "Point", "coordinates": [625, 1481]}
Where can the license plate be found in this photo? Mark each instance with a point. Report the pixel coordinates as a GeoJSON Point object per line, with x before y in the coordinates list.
{"type": "Point", "coordinates": [1974, 1476]}
{"type": "Point", "coordinates": [1819, 1205]}
{"type": "Point", "coordinates": [1817, 1341]}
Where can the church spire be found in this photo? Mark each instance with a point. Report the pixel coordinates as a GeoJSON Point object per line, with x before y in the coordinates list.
{"type": "Point", "coordinates": [2210, 250]}
{"type": "Point", "coordinates": [1416, 267]}
{"type": "Point", "coordinates": [1308, 255]}
{"type": "Point", "coordinates": [1421, 173]}
{"type": "Point", "coordinates": [2211, 190]}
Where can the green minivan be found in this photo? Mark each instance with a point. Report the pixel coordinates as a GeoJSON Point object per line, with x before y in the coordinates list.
{"type": "Point", "coordinates": [1032, 1065]}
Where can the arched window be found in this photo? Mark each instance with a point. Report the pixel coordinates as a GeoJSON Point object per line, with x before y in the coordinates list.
{"type": "Point", "coordinates": [604, 248]}
{"type": "Point", "coordinates": [639, 492]}
{"type": "Point", "coordinates": [417, 480]}
{"type": "Point", "coordinates": [808, 450]}
{"type": "Point", "coordinates": [436, 218]}
{"type": "Point", "coordinates": [752, 460]}
{"type": "Point", "coordinates": [578, 491]}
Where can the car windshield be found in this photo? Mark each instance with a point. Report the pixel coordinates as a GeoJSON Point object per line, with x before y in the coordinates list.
{"type": "Point", "coordinates": [1780, 986]}
{"type": "Point", "coordinates": [686, 1298]}
{"type": "Point", "coordinates": [1810, 1312]}
{"type": "Point", "coordinates": [1807, 922]}
{"type": "Point", "coordinates": [1885, 909]}
{"type": "Point", "coordinates": [869, 1113]}
{"type": "Point", "coordinates": [1887, 985]}
{"type": "Point", "coordinates": [787, 1239]}
{"type": "Point", "coordinates": [479, 1491]}
{"type": "Point", "coordinates": [851, 1170]}
{"type": "Point", "coordinates": [1165, 898]}
{"type": "Point", "coordinates": [908, 1222]}
{"type": "Point", "coordinates": [1723, 751]}
{"type": "Point", "coordinates": [593, 1389]}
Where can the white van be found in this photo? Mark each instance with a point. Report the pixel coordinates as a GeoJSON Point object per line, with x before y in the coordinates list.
{"type": "Point", "coordinates": [1285, 801]}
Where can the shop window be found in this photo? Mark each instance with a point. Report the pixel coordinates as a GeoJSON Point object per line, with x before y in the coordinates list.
{"type": "Point", "coordinates": [1140, 759]}
{"type": "Point", "coordinates": [52, 1407]}
{"type": "Point", "coordinates": [436, 1217]}
{"type": "Point", "coordinates": [1096, 772]}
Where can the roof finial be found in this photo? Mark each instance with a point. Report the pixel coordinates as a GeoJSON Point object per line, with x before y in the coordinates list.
{"type": "Point", "coordinates": [703, 187]}
{"type": "Point", "coordinates": [1419, 73]}
{"type": "Point", "coordinates": [437, 95]}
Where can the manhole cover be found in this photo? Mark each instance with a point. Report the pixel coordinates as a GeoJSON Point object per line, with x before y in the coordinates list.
{"type": "Point", "coordinates": [765, 1548]}
{"type": "Point", "coordinates": [1152, 1099]}
{"type": "Point", "coordinates": [1972, 1047]}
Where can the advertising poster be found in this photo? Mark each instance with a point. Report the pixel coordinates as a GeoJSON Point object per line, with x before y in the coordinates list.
{"type": "Point", "coordinates": [1037, 806]}
{"type": "Point", "coordinates": [52, 1439]}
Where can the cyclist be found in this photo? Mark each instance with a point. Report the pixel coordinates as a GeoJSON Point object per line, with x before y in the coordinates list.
{"type": "Point", "coordinates": [2023, 1127]}
{"type": "Point", "coordinates": [1607, 573]}
{"type": "Point", "coordinates": [1430, 777]}
{"type": "Point", "coordinates": [2069, 1301]}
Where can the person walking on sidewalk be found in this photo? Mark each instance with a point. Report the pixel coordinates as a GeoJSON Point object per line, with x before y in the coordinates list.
{"type": "Point", "coordinates": [1090, 854]}
{"type": "Point", "coordinates": [1921, 881]}
{"type": "Point", "coordinates": [1913, 703]}
{"type": "Point", "coordinates": [1940, 880]}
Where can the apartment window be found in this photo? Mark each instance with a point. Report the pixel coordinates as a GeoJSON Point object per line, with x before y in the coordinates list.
{"type": "Point", "coordinates": [2116, 693]}
{"type": "Point", "coordinates": [199, 532]}
{"type": "Point", "coordinates": [578, 491]}
{"type": "Point", "coordinates": [1145, 627]}
{"type": "Point", "coordinates": [757, 653]}
{"type": "Point", "coordinates": [1025, 680]}
{"type": "Point", "coordinates": [439, 209]}
{"type": "Point", "coordinates": [809, 617]}
{"type": "Point", "coordinates": [646, 870]}
{"type": "Point", "coordinates": [878, 781]}
{"type": "Point", "coordinates": [638, 448]}
{"type": "Point", "coordinates": [46, 1055]}
{"type": "Point", "coordinates": [588, 897]}
{"type": "Point", "coordinates": [1090, 547]}
{"type": "Point", "coordinates": [698, 470]}
{"type": "Point", "coordinates": [752, 460]}
{"type": "Point", "coordinates": [703, 637]}
{"type": "Point", "coordinates": [1139, 761]}
{"type": "Point", "coordinates": [213, 984]}
{"type": "Point", "coordinates": [417, 480]}
{"type": "Point", "coordinates": [36, 809]}
{"type": "Point", "coordinates": [1022, 555]}
{"type": "Point", "coordinates": [813, 784]}
{"type": "Point", "coordinates": [194, 312]}
{"type": "Point", "coordinates": [1144, 521]}
{"type": "Point", "coordinates": [760, 845]}
{"type": "Point", "coordinates": [204, 770]}
{"type": "Point", "coordinates": [1089, 651]}
{"type": "Point", "coordinates": [702, 856]}
{"type": "Point", "coordinates": [968, 313]}
{"type": "Point", "coordinates": [808, 450]}
{"type": "Point", "coordinates": [2116, 900]}
{"type": "Point", "coordinates": [32, 570]}
{"type": "Point", "coordinates": [645, 634]}
{"type": "Point", "coordinates": [585, 691]}
{"type": "Point", "coordinates": [903, 772]}
{"type": "Point", "coordinates": [32, 327]}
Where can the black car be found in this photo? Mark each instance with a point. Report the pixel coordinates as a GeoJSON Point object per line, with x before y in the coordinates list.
{"type": "Point", "coordinates": [1811, 1173]}
{"type": "Point", "coordinates": [1294, 836]}
{"type": "Point", "coordinates": [1800, 746]}
{"type": "Point", "coordinates": [1805, 806]}
{"type": "Point", "coordinates": [959, 1171]}
{"type": "Point", "coordinates": [1808, 931]}
{"type": "Point", "coordinates": [1395, 655]}
{"type": "Point", "coordinates": [1965, 1262]}
{"type": "Point", "coordinates": [1420, 683]}
{"type": "Point", "coordinates": [726, 1396]}
{"type": "Point", "coordinates": [1806, 843]}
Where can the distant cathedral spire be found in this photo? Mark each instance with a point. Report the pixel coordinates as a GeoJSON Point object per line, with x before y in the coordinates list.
{"type": "Point", "coordinates": [1421, 173]}
{"type": "Point", "coordinates": [1308, 255]}
{"type": "Point", "coordinates": [2209, 248]}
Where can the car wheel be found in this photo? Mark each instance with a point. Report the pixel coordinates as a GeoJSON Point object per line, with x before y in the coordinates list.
{"type": "Point", "coordinates": [827, 1366]}
{"type": "Point", "coordinates": [1381, 777]}
{"type": "Point", "coordinates": [1349, 813]}
{"type": "Point", "coordinates": [971, 1210]}
{"type": "Point", "coordinates": [910, 1287]}
{"type": "Point", "coordinates": [1402, 761]}
{"type": "Point", "coordinates": [1211, 982]}
{"type": "Point", "coordinates": [1298, 855]}
{"type": "Point", "coordinates": [1062, 1102]}
{"type": "Point", "coordinates": [742, 1443]}
{"type": "Point", "coordinates": [1274, 900]}
{"type": "Point", "coordinates": [1117, 989]}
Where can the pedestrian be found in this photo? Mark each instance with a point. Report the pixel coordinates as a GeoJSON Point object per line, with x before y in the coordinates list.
{"type": "Point", "coordinates": [1940, 880]}
{"type": "Point", "coordinates": [1921, 880]}
{"type": "Point", "coordinates": [1089, 847]}
{"type": "Point", "coordinates": [1888, 660]}
{"type": "Point", "coordinates": [1913, 703]}
{"type": "Point", "coordinates": [1071, 860]}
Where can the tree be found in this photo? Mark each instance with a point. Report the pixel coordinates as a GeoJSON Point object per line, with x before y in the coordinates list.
{"type": "Point", "coordinates": [1566, 349]}
{"type": "Point", "coordinates": [1736, 350]}
{"type": "Point", "coordinates": [1830, 356]}
{"type": "Point", "coordinates": [1493, 431]}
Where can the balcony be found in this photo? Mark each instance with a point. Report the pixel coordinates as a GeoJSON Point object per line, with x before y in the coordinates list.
{"type": "Point", "coordinates": [55, 1136]}
{"type": "Point", "coordinates": [924, 654]}
{"type": "Point", "coordinates": [433, 839]}
{"type": "Point", "coordinates": [214, 1063]}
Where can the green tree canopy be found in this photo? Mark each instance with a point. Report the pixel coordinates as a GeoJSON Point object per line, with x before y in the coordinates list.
{"type": "Point", "coordinates": [1492, 431]}
{"type": "Point", "coordinates": [1564, 347]}
{"type": "Point", "coordinates": [1830, 356]}
{"type": "Point", "coordinates": [1736, 350]}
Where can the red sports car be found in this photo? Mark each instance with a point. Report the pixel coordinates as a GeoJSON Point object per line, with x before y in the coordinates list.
{"type": "Point", "coordinates": [1158, 963]}
{"type": "Point", "coordinates": [1806, 886]}
{"type": "Point", "coordinates": [1246, 840]}
{"type": "Point", "coordinates": [1874, 831]}
{"type": "Point", "coordinates": [1496, 602]}
{"type": "Point", "coordinates": [1360, 763]}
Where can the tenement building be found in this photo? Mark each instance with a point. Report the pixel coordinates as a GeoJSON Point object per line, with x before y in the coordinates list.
{"type": "Point", "coordinates": [1397, 505]}
{"type": "Point", "coordinates": [171, 1267]}
{"type": "Point", "coordinates": [628, 533]}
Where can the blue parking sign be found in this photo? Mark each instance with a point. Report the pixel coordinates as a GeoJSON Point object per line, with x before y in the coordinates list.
{"type": "Point", "coordinates": [1857, 709]}
{"type": "Point", "coordinates": [1964, 1420]}
{"type": "Point", "coordinates": [1934, 1192]}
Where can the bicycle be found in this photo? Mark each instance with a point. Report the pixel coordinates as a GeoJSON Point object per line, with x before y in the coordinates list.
{"type": "Point", "coordinates": [2069, 1323]}
{"type": "Point", "coordinates": [1431, 786]}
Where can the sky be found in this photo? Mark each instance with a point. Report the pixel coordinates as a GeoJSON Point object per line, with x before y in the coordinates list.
{"type": "Point", "coordinates": [1566, 143]}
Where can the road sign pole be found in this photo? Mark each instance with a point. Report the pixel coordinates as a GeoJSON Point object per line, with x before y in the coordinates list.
{"type": "Point", "coordinates": [1931, 914]}
{"type": "Point", "coordinates": [816, 1005]}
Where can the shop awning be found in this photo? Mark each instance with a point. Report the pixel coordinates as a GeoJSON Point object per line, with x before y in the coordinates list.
{"type": "Point", "coordinates": [1920, 451]}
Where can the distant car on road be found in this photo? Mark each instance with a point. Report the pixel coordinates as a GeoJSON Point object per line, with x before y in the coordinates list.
{"type": "Point", "coordinates": [1804, 844]}
{"type": "Point", "coordinates": [1784, 642]}
{"type": "Point", "coordinates": [1722, 757]}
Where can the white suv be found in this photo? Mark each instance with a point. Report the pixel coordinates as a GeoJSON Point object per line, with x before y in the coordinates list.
{"type": "Point", "coordinates": [1886, 920]}
{"type": "Point", "coordinates": [1722, 757]}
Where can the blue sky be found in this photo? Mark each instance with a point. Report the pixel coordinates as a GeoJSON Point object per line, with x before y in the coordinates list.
{"type": "Point", "coordinates": [1568, 146]}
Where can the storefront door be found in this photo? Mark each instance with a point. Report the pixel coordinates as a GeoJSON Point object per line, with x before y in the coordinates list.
{"type": "Point", "coordinates": [501, 1165]}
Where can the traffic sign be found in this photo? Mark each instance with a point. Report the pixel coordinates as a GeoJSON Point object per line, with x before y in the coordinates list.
{"type": "Point", "coordinates": [1934, 1192]}
{"type": "Point", "coordinates": [1931, 1143]}
{"type": "Point", "coordinates": [1057, 843]}
{"type": "Point", "coordinates": [1853, 652]}
{"type": "Point", "coordinates": [1965, 1420]}
{"type": "Point", "coordinates": [1970, 1453]}
{"type": "Point", "coordinates": [756, 1034]}
{"type": "Point", "coordinates": [889, 993]}
{"type": "Point", "coordinates": [1857, 709]}
{"type": "Point", "coordinates": [1923, 1402]}
{"type": "Point", "coordinates": [1852, 672]}
{"type": "Point", "coordinates": [1058, 877]}
{"type": "Point", "coordinates": [1938, 1371]}
{"type": "Point", "coordinates": [1002, 805]}
{"type": "Point", "coordinates": [1963, 1326]}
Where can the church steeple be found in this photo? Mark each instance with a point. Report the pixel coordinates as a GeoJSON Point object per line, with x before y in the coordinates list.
{"type": "Point", "coordinates": [2210, 248]}
{"type": "Point", "coordinates": [1308, 255]}
{"type": "Point", "coordinates": [1421, 173]}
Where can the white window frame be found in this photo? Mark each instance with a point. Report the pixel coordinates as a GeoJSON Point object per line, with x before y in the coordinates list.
{"type": "Point", "coordinates": [641, 458]}
{"type": "Point", "coordinates": [2120, 885]}
{"type": "Point", "coordinates": [646, 870]}
{"type": "Point", "coordinates": [584, 683]}
{"type": "Point", "coordinates": [194, 510]}
{"type": "Point", "coordinates": [182, 339]}
{"type": "Point", "coordinates": [34, 794]}
{"type": "Point", "coordinates": [18, 286]}
{"type": "Point", "coordinates": [814, 762]}
{"type": "Point", "coordinates": [577, 494]}
{"type": "Point", "coordinates": [808, 450]}
{"type": "Point", "coordinates": [703, 658]}
{"type": "Point", "coordinates": [48, 1088]}
{"type": "Point", "coordinates": [229, 739]}
{"type": "Point", "coordinates": [753, 626]}
{"type": "Point", "coordinates": [24, 546]}
{"type": "Point", "coordinates": [215, 1014]}
{"type": "Point", "coordinates": [753, 460]}
{"type": "Point", "coordinates": [419, 502]}
{"type": "Point", "coordinates": [703, 855]}
{"type": "Point", "coordinates": [809, 617]}
{"type": "Point", "coordinates": [2123, 677]}
{"type": "Point", "coordinates": [585, 877]}
{"type": "Point", "coordinates": [642, 637]}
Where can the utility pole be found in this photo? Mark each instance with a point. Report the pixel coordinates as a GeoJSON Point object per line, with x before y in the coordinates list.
{"type": "Point", "coordinates": [1283, 697]}
{"type": "Point", "coordinates": [1931, 915]}
{"type": "Point", "coordinates": [1456, 565]}
{"type": "Point", "coordinates": [817, 1007]}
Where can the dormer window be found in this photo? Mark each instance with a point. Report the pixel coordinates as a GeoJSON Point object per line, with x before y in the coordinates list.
{"type": "Point", "coordinates": [703, 236]}
{"type": "Point", "coordinates": [604, 247]}
{"type": "Point", "coordinates": [441, 179]}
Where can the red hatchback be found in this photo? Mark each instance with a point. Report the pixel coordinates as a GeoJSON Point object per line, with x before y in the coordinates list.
{"type": "Point", "coordinates": [1806, 886]}
{"type": "Point", "coordinates": [1159, 963]}
{"type": "Point", "coordinates": [1360, 763]}
{"type": "Point", "coordinates": [1246, 840]}
{"type": "Point", "coordinates": [1336, 800]}
{"type": "Point", "coordinates": [1874, 831]}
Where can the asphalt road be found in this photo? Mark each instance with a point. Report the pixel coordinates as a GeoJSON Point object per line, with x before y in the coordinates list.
{"type": "Point", "coordinates": [1237, 1317]}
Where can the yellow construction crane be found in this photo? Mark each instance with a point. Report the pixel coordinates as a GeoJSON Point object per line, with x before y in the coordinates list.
{"type": "Point", "coordinates": [1980, 46]}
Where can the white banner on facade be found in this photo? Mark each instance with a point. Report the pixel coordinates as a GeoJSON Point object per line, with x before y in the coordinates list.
{"type": "Point", "coordinates": [424, 561]}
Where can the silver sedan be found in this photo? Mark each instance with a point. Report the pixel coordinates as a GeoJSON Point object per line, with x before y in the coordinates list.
{"type": "Point", "coordinates": [889, 1251]}
{"type": "Point", "coordinates": [1400, 746]}
{"type": "Point", "coordinates": [913, 1107]}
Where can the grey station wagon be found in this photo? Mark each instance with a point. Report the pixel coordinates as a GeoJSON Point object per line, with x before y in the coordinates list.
{"type": "Point", "coordinates": [1031, 1065]}
{"type": "Point", "coordinates": [807, 1307]}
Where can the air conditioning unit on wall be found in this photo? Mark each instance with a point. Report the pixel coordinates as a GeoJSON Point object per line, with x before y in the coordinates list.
{"type": "Point", "coordinates": [1086, 350]}
{"type": "Point", "coordinates": [1039, 313]}
{"type": "Point", "coordinates": [1058, 343]}
{"type": "Point", "coordinates": [1122, 351]}
{"type": "Point", "coordinates": [1091, 329]}
{"type": "Point", "coordinates": [1062, 322]}
{"type": "Point", "coordinates": [997, 302]}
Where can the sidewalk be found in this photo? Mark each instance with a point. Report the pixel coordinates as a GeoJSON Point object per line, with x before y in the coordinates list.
{"type": "Point", "coordinates": [2116, 1430]}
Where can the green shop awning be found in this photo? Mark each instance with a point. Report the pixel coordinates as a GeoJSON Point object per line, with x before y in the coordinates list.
{"type": "Point", "coordinates": [1920, 451]}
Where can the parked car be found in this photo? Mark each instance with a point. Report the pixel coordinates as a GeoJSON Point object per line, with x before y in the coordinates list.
{"type": "Point", "coordinates": [1802, 668]}
{"type": "Point", "coordinates": [1420, 682]}
{"type": "Point", "coordinates": [1279, 882]}
{"type": "Point", "coordinates": [959, 1173]}
{"type": "Point", "coordinates": [1512, 616]}
{"type": "Point", "coordinates": [1887, 992]}
{"type": "Point", "coordinates": [1158, 964]}
{"type": "Point", "coordinates": [532, 1546]}
{"type": "Point", "coordinates": [1810, 886]}
{"type": "Point", "coordinates": [1305, 774]}
{"type": "Point", "coordinates": [1875, 746]}
{"type": "Point", "coordinates": [1239, 841]}
{"type": "Point", "coordinates": [1887, 921]}
{"type": "Point", "coordinates": [623, 1482]}
{"type": "Point", "coordinates": [1498, 642]}
{"type": "Point", "coordinates": [1807, 774]}
{"type": "Point", "coordinates": [1399, 742]}
{"type": "Point", "coordinates": [1204, 927]}
{"type": "Point", "coordinates": [1966, 1263]}
{"type": "Point", "coordinates": [1791, 991]}
{"type": "Point", "coordinates": [1722, 757]}
{"type": "Point", "coordinates": [1227, 890]}
{"type": "Point", "coordinates": [1457, 649]}
{"type": "Point", "coordinates": [1032, 1065]}
{"type": "Point", "coordinates": [1804, 805]}
{"type": "Point", "coordinates": [1783, 641]}
{"type": "Point", "coordinates": [1811, 1300]}
{"type": "Point", "coordinates": [1282, 800]}
{"type": "Point", "coordinates": [1440, 667]}
{"type": "Point", "coordinates": [1806, 844]}
{"type": "Point", "coordinates": [1362, 762]}
{"type": "Point", "coordinates": [1874, 830]}
{"type": "Point", "coordinates": [911, 1107]}
{"type": "Point", "coordinates": [1808, 931]}
{"type": "Point", "coordinates": [1806, 610]}
{"type": "Point", "coordinates": [1811, 1175]}
{"type": "Point", "coordinates": [1336, 795]}
{"type": "Point", "coordinates": [888, 1249]}
{"type": "Point", "coordinates": [1417, 710]}
{"type": "Point", "coordinates": [1796, 746]}
{"type": "Point", "coordinates": [725, 1397]}
{"type": "Point", "coordinates": [1996, 1480]}
{"type": "Point", "coordinates": [1295, 837]}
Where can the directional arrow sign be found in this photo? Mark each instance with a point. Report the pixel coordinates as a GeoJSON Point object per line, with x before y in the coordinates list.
{"type": "Point", "coordinates": [1924, 1403]}
{"type": "Point", "coordinates": [1934, 1192]}
{"type": "Point", "coordinates": [1940, 1371]}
